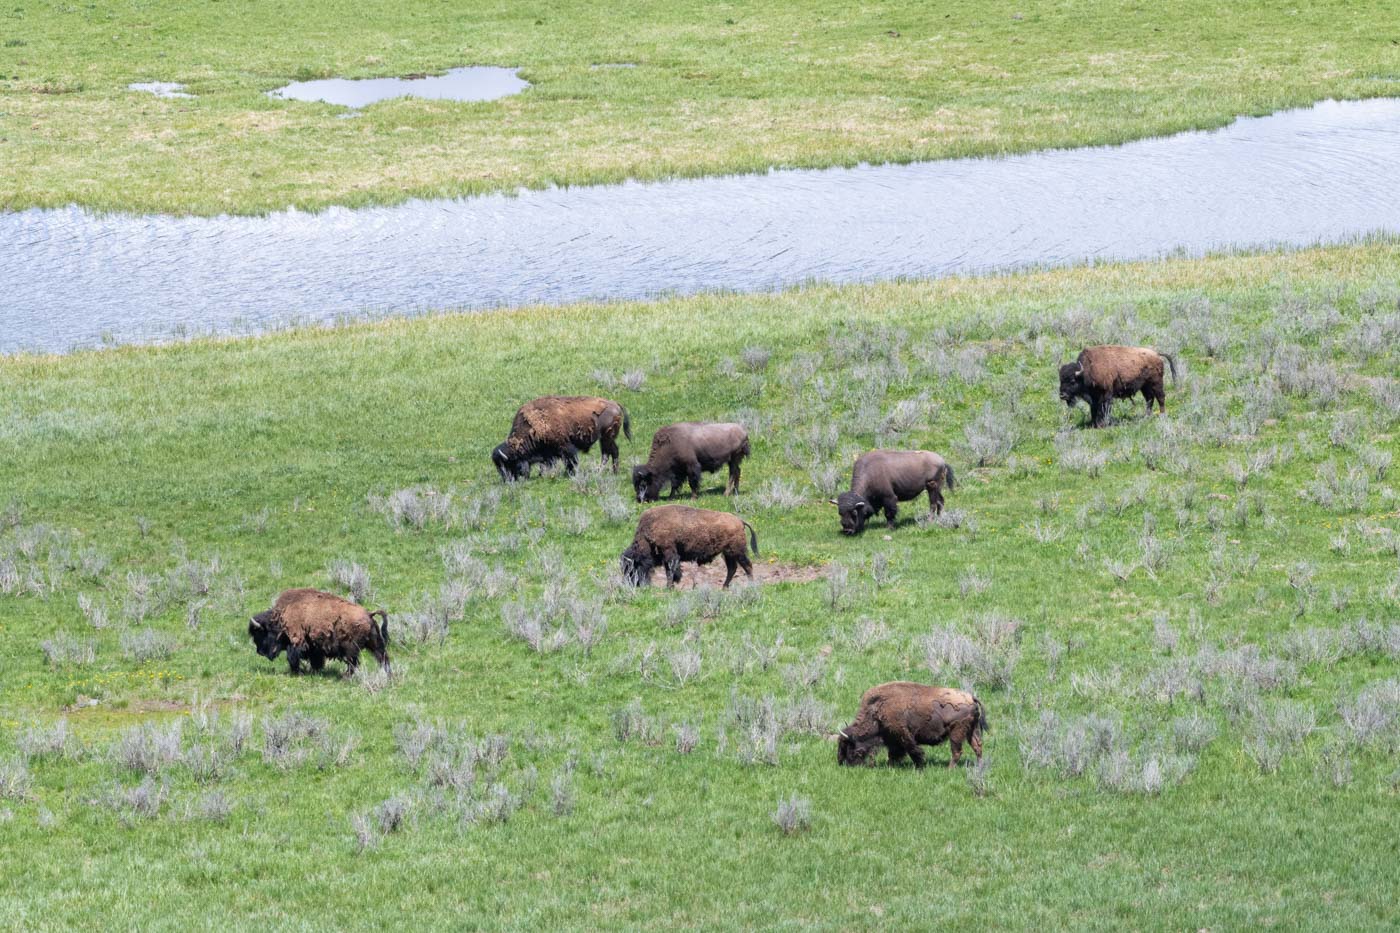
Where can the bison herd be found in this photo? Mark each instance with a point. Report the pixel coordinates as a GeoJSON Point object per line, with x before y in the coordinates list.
{"type": "Point", "coordinates": [314, 626]}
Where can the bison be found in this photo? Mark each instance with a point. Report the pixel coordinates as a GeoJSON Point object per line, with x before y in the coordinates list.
{"type": "Point", "coordinates": [902, 716]}
{"type": "Point", "coordinates": [316, 626]}
{"type": "Point", "coordinates": [681, 452]}
{"type": "Point", "coordinates": [560, 427]}
{"type": "Point", "coordinates": [669, 534]}
{"type": "Point", "coordinates": [1102, 374]}
{"type": "Point", "coordinates": [881, 479]}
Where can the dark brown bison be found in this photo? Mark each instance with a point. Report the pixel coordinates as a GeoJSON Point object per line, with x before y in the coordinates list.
{"type": "Point", "coordinates": [683, 451]}
{"type": "Point", "coordinates": [318, 626]}
{"type": "Point", "coordinates": [881, 479]}
{"type": "Point", "coordinates": [1102, 374]}
{"type": "Point", "coordinates": [902, 716]}
{"type": "Point", "coordinates": [669, 534]}
{"type": "Point", "coordinates": [560, 428]}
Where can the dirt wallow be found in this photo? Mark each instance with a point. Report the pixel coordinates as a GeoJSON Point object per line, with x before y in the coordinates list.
{"type": "Point", "coordinates": [764, 573]}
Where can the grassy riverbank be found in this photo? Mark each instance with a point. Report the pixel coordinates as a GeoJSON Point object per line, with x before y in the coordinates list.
{"type": "Point", "coordinates": [716, 89]}
{"type": "Point", "coordinates": [1182, 627]}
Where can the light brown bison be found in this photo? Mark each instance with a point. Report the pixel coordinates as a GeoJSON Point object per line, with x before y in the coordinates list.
{"type": "Point", "coordinates": [559, 427]}
{"type": "Point", "coordinates": [318, 626]}
{"type": "Point", "coordinates": [683, 451]}
{"type": "Point", "coordinates": [881, 479]}
{"type": "Point", "coordinates": [669, 534]}
{"type": "Point", "coordinates": [902, 716]}
{"type": "Point", "coordinates": [1102, 374]}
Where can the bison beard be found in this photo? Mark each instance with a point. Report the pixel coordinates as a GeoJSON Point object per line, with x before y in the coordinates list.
{"type": "Point", "coordinates": [903, 716]}
{"type": "Point", "coordinates": [854, 510]}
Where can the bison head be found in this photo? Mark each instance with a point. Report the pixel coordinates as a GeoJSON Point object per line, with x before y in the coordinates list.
{"type": "Point", "coordinates": [509, 464]}
{"type": "Point", "coordinates": [1071, 383]}
{"type": "Point", "coordinates": [268, 637]}
{"type": "Point", "coordinates": [852, 749]}
{"type": "Point", "coordinates": [646, 482]}
{"type": "Point", "coordinates": [854, 511]}
{"type": "Point", "coordinates": [637, 564]}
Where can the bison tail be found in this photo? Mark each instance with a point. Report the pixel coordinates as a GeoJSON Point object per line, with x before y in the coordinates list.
{"type": "Point", "coordinates": [626, 423]}
{"type": "Point", "coordinates": [948, 474]}
{"type": "Point", "coordinates": [982, 724]}
{"type": "Point", "coordinates": [753, 537]}
{"type": "Point", "coordinates": [1171, 362]}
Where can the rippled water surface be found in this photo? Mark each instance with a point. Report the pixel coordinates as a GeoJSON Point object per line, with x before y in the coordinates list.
{"type": "Point", "coordinates": [476, 83]}
{"type": "Point", "coordinates": [70, 278]}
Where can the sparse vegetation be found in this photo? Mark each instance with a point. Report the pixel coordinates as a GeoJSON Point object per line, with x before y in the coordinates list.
{"type": "Point", "coordinates": [1244, 658]}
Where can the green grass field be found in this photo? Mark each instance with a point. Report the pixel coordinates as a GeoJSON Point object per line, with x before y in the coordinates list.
{"type": "Point", "coordinates": [717, 88]}
{"type": "Point", "coordinates": [1184, 628]}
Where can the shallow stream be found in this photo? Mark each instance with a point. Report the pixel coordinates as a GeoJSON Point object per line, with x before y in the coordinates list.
{"type": "Point", "coordinates": [70, 278]}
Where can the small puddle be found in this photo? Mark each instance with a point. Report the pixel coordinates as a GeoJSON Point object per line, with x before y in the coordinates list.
{"type": "Point", "coordinates": [476, 83]}
{"type": "Point", "coordinates": [160, 88]}
{"type": "Point", "coordinates": [1322, 174]}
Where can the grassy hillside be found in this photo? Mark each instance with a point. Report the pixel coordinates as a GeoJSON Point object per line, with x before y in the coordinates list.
{"type": "Point", "coordinates": [716, 88]}
{"type": "Point", "coordinates": [1184, 628]}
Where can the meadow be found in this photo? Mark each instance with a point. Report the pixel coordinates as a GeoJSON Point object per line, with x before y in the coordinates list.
{"type": "Point", "coordinates": [1184, 628]}
{"type": "Point", "coordinates": [716, 88]}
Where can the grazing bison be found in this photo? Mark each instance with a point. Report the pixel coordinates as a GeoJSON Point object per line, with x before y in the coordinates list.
{"type": "Point", "coordinates": [1102, 374]}
{"type": "Point", "coordinates": [881, 479]}
{"type": "Point", "coordinates": [560, 427]}
{"type": "Point", "coordinates": [669, 534]}
{"type": "Point", "coordinates": [316, 626]}
{"type": "Point", "coordinates": [681, 452]}
{"type": "Point", "coordinates": [902, 716]}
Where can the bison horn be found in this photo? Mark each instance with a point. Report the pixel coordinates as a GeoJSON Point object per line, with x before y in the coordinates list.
{"type": "Point", "coordinates": [843, 734]}
{"type": "Point", "coordinates": [833, 501]}
{"type": "Point", "coordinates": [256, 623]}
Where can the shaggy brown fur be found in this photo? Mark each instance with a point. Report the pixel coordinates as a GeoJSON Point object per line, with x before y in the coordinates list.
{"type": "Point", "coordinates": [669, 534]}
{"type": "Point", "coordinates": [681, 452]}
{"type": "Point", "coordinates": [314, 625]}
{"type": "Point", "coordinates": [561, 427]}
{"type": "Point", "coordinates": [881, 479]}
{"type": "Point", "coordinates": [1104, 373]}
{"type": "Point", "coordinates": [902, 716]}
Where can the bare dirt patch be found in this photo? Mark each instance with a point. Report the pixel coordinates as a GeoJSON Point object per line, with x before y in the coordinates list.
{"type": "Point", "coordinates": [764, 572]}
{"type": "Point", "coordinates": [133, 708]}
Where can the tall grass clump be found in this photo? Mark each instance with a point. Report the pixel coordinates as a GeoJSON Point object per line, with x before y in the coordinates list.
{"type": "Point", "coordinates": [794, 815]}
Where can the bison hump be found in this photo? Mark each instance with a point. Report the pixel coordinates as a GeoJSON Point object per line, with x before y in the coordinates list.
{"type": "Point", "coordinates": [1105, 363]}
{"type": "Point", "coordinates": [318, 618]}
{"type": "Point", "coordinates": [560, 420]}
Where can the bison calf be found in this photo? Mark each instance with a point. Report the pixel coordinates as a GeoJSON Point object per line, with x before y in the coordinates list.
{"type": "Point", "coordinates": [669, 534]}
{"type": "Point", "coordinates": [902, 716]}
{"type": "Point", "coordinates": [316, 626]}
{"type": "Point", "coordinates": [881, 479]}
{"type": "Point", "coordinates": [681, 452]}
{"type": "Point", "coordinates": [1102, 374]}
{"type": "Point", "coordinates": [556, 428]}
